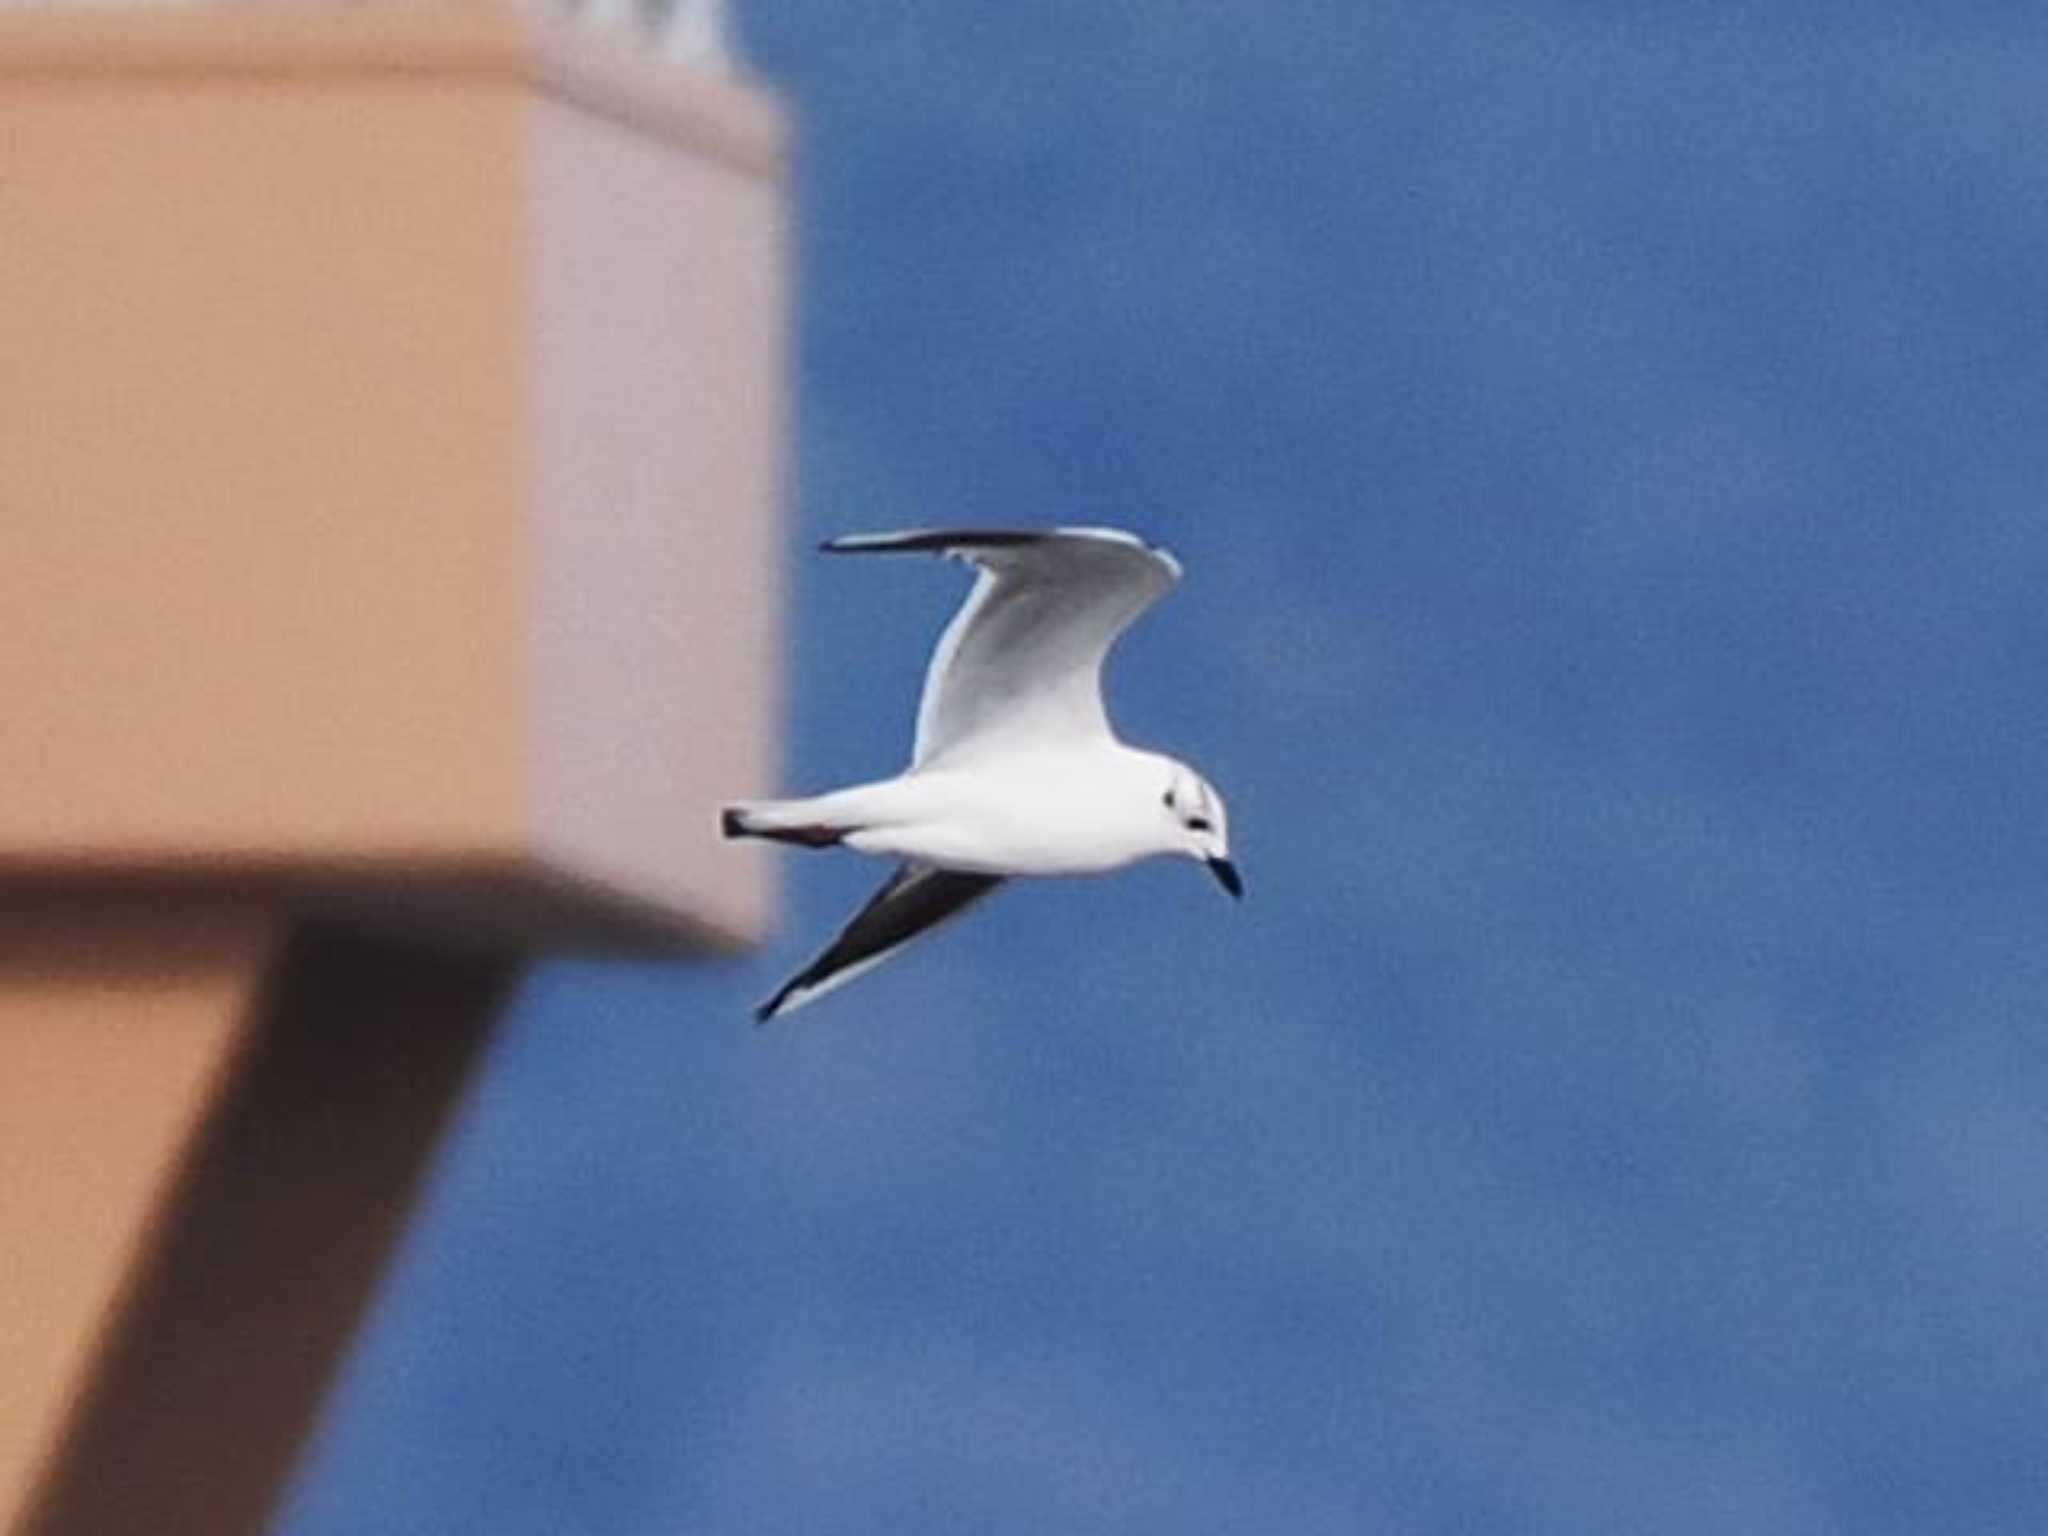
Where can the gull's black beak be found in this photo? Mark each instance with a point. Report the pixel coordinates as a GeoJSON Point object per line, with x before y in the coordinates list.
{"type": "Point", "coordinates": [1227, 876]}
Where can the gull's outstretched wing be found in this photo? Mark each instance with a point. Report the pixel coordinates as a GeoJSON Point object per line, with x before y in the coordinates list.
{"type": "Point", "coordinates": [1023, 656]}
{"type": "Point", "coordinates": [916, 899]}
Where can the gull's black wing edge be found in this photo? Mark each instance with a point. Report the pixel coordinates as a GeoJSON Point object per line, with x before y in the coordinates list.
{"type": "Point", "coordinates": [915, 899]}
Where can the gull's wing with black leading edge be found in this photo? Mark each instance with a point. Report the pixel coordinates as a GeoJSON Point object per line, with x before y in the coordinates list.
{"type": "Point", "coordinates": [916, 899]}
{"type": "Point", "coordinates": [1022, 659]}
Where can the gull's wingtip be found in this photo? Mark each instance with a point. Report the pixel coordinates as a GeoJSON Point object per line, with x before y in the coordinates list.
{"type": "Point", "coordinates": [847, 543]}
{"type": "Point", "coordinates": [951, 540]}
{"type": "Point", "coordinates": [936, 541]}
{"type": "Point", "coordinates": [874, 543]}
{"type": "Point", "coordinates": [787, 999]}
{"type": "Point", "coordinates": [793, 994]}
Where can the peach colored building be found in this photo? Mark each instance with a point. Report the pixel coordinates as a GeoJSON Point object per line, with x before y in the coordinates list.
{"type": "Point", "coordinates": [390, 446]}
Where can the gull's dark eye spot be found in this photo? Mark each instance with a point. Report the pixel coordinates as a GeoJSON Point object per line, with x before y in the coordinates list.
{"type": "Point", "coordinates": [1167, 799]}
{"type": "Point", "coordinates": [1198, 824]}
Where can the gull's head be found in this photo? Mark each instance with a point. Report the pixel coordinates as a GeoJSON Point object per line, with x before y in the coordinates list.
{"type": "Point", "coordinates": [1198, 827]}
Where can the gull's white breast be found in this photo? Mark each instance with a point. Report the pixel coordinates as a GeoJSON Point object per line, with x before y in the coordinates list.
{"type": "Point", "coordinates": [1077, 810]}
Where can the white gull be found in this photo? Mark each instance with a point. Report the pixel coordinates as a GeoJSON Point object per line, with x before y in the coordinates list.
{"type": "Point", "coordinates": [1016, 770]}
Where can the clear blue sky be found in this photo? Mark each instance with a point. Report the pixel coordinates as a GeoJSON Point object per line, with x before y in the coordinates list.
{"type": "Point", "coordinates": [1608, 446]}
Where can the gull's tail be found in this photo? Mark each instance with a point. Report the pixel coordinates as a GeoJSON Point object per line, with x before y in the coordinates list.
{"type": "Point", "coordinates": [821, 821]}
{"type": "Point", "coordinates": [781, 821]}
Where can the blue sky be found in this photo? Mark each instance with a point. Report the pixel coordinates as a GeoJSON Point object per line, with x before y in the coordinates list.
{"type": "Point", "coordinates": [1607, 445]}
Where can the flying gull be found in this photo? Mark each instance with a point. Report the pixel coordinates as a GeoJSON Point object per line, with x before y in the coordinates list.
{"type": "Point", "coordinates": [1016, 770]}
